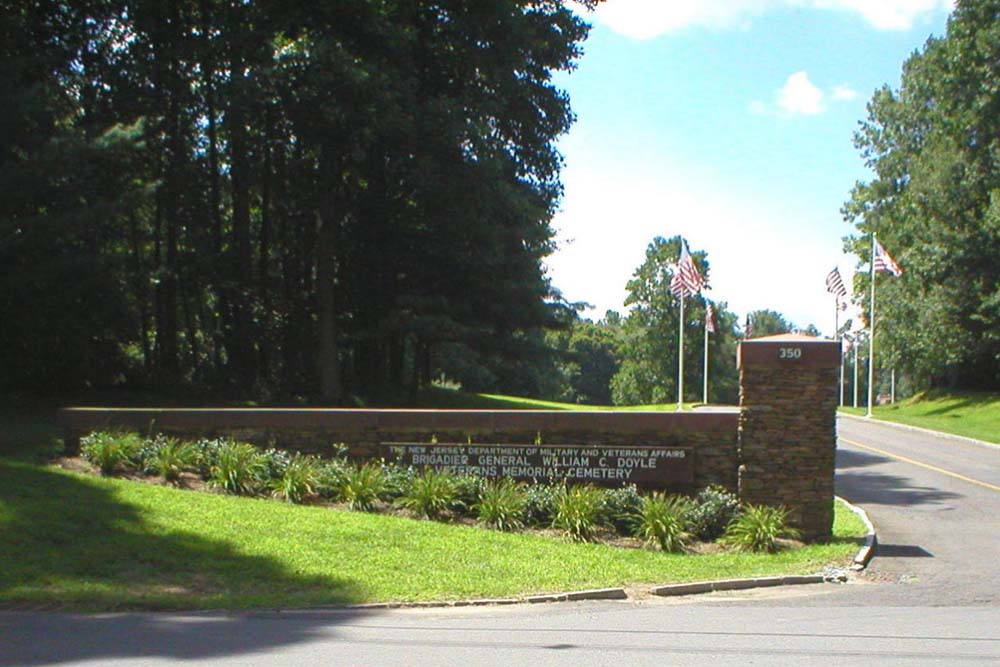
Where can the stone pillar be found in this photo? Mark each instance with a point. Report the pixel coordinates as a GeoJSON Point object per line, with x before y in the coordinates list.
{"type": "Point", "coordinates": [788, 427]}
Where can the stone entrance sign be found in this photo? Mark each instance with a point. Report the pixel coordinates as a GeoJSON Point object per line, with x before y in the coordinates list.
{"type": "Point", "coordinates": [644, 466]}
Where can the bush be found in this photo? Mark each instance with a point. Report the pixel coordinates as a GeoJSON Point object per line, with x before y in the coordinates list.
{"type": "Point", "coordinates": [502, 504]}
{"type": "Point", "coordinates": [714, 507]}
{"type": "Point", "coordinates": [206, 453]}
{"type": "Point", "coordinates": [238, 468]}
{"type": "Point", "coordinates": [540, 507]}
{"type": "Point", "coordinates": [432, 493]}
{"type": "Point", "coordinates": [299, 479]}
{"type": "Point", "coordinates": [662, 521]}
{"type": "Point", "coordinates": [274, 462]}
{"type": "Point", "coordinates": [330, 477]}
{"type": "Point", "coordinates": [110, 450]}
{"type": "Point", "coordinates": [577, 511]}
{"type": "Point", "coordinates": [361, 487]}
{"type": "Point", "coordinates": [469, 490]}
{"type": "Point", "coordinates": [620, 507]}
{"type": "Point", "coordinates": [758, 528]}
{"type": "Point", "coordinates": [398, 480]}
{"type": "Point", "coordinates": [171, 457]}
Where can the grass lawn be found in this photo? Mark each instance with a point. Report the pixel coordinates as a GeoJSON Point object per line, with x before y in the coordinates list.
{"type": "Point", "coordinates": [74, 541]}
{"type": "Point", "coordinates": [972, 414]}
{"type": "Point", "coordinates": [437, 397]}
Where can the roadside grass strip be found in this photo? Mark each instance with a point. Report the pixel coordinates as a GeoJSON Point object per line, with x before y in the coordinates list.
{"type": "Point", "coordinates": [969, 414]}
{"type": "Point", "coordinates": [71, 541]}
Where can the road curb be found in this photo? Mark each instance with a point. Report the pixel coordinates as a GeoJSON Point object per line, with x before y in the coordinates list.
{"type": "Point", "coordinates": [698, 587]}
{"type": "Point", "coordinates": [591, 594]}
{"type": "Point", "coordinates": [867, 549]}
{"type": "Point", "coordinates": [919, 429]}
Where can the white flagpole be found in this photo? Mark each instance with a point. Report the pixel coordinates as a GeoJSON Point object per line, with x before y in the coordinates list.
{"type": "Point", "coordinates": [680, 357]}
{"type": "Point", "coordinates": [871, 338]}
{"type": "Point", "coordinates": [704, 393]}
{"type": "Point", "coordinates": [857, 344]}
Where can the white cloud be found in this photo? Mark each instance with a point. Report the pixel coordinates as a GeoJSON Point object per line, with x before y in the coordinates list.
{"type": "Point", "coordinates": [800, 96]}
{"type": "Point", "coordinates": [644, 19]}
{"type": "Point", "coordinates": [844, 92]}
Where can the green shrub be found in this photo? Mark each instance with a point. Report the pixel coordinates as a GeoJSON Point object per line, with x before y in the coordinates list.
{"type": "Point", "coordinates": [662, 521]}
{"type": "Point", "coordinates": [171, 458]}
{"type": "Point", "coordinates": [398, 480]}
{"type": "Point", "coordinates": [619, 507]}
{"type": "Point", "coordinates": [238, 468]}
{"type": "Point", "coordinates": [273, 463]}
{"type": "Point", "coordinates": [714, 507]}
{"type": "Point", "coordinates": [501, 504]}
{"type": "Point", "coordinates": [330, 476]}
{"type": "Point", "coordinates": [469, 490]}
{"type": "Point", "coordinates": [577, 511]}
{"type": "Point", "coordinates": [540, 507]}
{"type": "Point", "coordinates": [299, 480]}
{"type": "Point", "coordinates": [758, 528]}
{"type": "Point", "coordinates": [361, 487]}
{"type": "Point", "coordinates": [432, 493]}
{"type": "Point", "coordinates": [206, 453]}
{"type": "Point", "coordinates": [110, 450]}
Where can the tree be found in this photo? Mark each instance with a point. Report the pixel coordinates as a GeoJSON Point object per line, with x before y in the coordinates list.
{"type": "Point", "coordinates": [933, 146]}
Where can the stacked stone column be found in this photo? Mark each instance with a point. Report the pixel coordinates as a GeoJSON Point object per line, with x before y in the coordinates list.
{"type": "Point", "coordinates": [788, 429]}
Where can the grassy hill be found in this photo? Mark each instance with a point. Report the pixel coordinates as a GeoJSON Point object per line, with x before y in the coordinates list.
{"type": "Point", "coordinates": [971, 414]}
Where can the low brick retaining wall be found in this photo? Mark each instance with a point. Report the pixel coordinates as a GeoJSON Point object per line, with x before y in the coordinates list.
{"type": "Point", "coordinates": [587, 446]}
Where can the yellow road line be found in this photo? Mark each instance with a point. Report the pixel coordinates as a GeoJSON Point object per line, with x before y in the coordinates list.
{"type": "Point", "coordinates": [922, 465]}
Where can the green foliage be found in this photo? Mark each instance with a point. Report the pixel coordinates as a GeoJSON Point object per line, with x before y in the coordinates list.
{"type": "Point", "coordinates": [712, 510]}
{"type": "Point", "coordinates": [502, 504]}
{"type": "Point", "coordinates": [300, 479]}
{"type": "Point", "coordinates": [432, 493]}
{"type": "Point", "coordinates": [540, 507]}
{"type": "Point", "coordinates": [206, 453]}
{"type": "Point", "coordinates": [172, 457]}
{"type": "Point", "coordinates": [362, 486]}
{"type": "Point", "coordinates": [238, 468]}
{"type": "Point", "coordinates": [662, 521]}
{"type": "Point", "coordinates": [110, 450]}
{"type": "Point", "coordinates": [934, 201]}
{"type": "Point", "coordinates": [398, 480]}
{"type": "Point", "coordinates": [758, 528]}
{"type": "Point", "coordinates": [469, 489]}
{"type": "Point", "coordinates": [620, 506]}
{"type": "Point", "coordinates": [649, 336]}
{"type": "Point", "coordinates": [577, 511]}
{"type": "Point", "coordinates": [769, 323]}
{"type": "Point", "coordinates": [274, 462]}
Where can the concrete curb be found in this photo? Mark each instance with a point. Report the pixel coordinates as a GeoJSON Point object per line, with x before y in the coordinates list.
{"type": "Point", "coordinates": [918, 429]}
{"type": "Point", "coordinates": [593, 594]}
{"type": "Point", "coordinates": [867, 549]}
{"type": "Point", "coordinates": [741, 584]}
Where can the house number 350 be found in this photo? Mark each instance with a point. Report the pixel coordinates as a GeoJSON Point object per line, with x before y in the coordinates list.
{"type": "Point", "coordinates": [789, 352]}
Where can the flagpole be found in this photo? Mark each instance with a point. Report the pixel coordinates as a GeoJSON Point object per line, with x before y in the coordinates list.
{"type": "Point", "coordinates": [704, 393]}
{"type": "Point", "coordinates": [857, 344]}
{"type": "Point", "coordinates": [871, 337]}
{"type": "Point", "coordinates": [680, 358]}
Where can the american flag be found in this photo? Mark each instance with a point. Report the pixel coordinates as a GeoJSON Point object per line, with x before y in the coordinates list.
{"type": "Point", "coordinates": [883, 262]}
{"type": "Point", "coordinates": [709, 317]}
{"type": "Point", "coordinates": [686, 281]}
{"type": "Point", "coordinates": [834, 284]}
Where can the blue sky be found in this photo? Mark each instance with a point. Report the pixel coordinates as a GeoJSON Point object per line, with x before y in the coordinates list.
{"type": "Point", "coordinates": [729, 122]}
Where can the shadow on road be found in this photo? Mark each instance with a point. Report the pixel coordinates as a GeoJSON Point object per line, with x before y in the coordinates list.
{"type": "Point", "coordinates": [868, 486]}
{"type": "Point", "coordinates": [852, 458]}
{"type": "Point", "coordinates": [901, 551]}
{"type": "Point", "coordinates": [28, 639]}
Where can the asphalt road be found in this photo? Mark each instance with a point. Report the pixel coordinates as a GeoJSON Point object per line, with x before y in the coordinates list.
{"type": "Point", "coordinates": [930, 597]}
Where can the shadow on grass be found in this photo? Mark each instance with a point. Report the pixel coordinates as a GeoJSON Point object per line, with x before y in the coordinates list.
{"type": "Point", "coordinates": [68, 543]}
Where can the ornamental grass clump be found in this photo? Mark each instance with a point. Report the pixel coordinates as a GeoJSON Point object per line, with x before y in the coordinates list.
{"type": "Point", "coordinates": [661, 521]}
{"type": "Point", "coordinates": [577, 511]}
{"type": "Point", "coordinates": [110, 450]}
{"type": "Point", "coordinates": [171, 457]}
{"type": "Point", "coordinates": [362, 487]}
{"type": "Point", "coordinates": [432, 494]}
{"type": "Point", "coordinates": [501, 504]}
{"type": "Point", "coordinates": [713, 508]}
{"type": "Point", "coordinates": [238, 469]}
{"type": "Point", "coordinates": [299, 480]}
{"type": "Point", "coordinates": [758, 528]}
